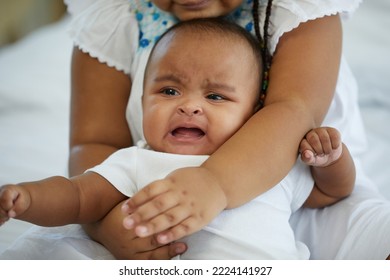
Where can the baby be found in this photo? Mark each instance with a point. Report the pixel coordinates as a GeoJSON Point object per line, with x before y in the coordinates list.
{"type": "Point", "coordinates": [202, 83]}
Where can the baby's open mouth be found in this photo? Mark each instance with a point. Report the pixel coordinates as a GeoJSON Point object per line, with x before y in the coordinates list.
{"type": "Point", "coordinates": [188, 132]}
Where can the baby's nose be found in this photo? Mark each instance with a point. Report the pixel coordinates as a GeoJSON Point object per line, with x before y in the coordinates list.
{"type": "Point", "coordinates": [190, 110]}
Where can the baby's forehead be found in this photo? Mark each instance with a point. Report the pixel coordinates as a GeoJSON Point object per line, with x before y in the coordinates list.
{"type": "Point", "coordinates": [211, 34]}
{"type": "Point", "coordinates": [191, 38]}
{"type": "Point", "coordinates": [195, 33]}
{"type": "Point", "coordinates": [204, 29]}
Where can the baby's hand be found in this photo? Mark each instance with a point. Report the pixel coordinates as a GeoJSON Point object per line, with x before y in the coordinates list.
{"type": "Point", "coordinates": [321, 146]}
{"type": "Point", "coordinates": [179, 205]}
{"type": "Point", "coordinates": [14, 201]}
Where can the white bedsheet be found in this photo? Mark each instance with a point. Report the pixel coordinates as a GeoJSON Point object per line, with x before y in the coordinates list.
{"type": "Point", "coordinates": [34, 101]}
{"type": "Point", "coordinates": [34, 111]}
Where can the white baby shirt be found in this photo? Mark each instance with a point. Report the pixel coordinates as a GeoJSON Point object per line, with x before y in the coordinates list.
{"type": "Point", "coordinates": [259, 229]}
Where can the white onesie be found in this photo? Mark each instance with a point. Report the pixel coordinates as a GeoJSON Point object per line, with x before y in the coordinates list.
{"type": "Point", "coordinates": [259, 229]}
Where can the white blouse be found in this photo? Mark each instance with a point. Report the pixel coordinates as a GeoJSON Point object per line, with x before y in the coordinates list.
{"type": "Point", "coordinates": [109, 31]}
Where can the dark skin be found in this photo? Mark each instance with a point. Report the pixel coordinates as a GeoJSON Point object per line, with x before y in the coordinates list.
{"type": "Point", "coordinates": [93, 139]}
{"type": "Point", "coordinates": [296, 100]}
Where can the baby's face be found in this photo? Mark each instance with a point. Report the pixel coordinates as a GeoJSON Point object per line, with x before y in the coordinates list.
{"type": "Point", "coordinates": [198, 91]}
{"type": "Point", "coordinates": [189, 9]}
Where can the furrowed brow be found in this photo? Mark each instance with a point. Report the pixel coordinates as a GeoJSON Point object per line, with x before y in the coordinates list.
{"type": "Point", "coordinates": [168, 78]}
{"type": "Point", "coordinates": [221, 86]}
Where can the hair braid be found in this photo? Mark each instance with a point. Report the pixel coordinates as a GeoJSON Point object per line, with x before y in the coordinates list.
{"type": "Point", "coordinates": [264, 44]}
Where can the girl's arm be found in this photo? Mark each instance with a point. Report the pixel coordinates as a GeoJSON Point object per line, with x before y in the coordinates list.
{"type": "Point", "coordinates": [98, 125]}
{"type": "Point", "coordinates": [99, 128]}
{"type": "Point", "coordinates": [302, 83]}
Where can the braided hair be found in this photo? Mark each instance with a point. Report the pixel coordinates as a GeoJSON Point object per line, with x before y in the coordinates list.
{"type": "Point", "coordinates": [267, 58]}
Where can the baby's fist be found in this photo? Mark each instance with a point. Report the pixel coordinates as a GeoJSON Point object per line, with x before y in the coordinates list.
{"type": "Point", "coordinates": [321, 146]}
{"type": "Point", "coordinates": [11, 203]}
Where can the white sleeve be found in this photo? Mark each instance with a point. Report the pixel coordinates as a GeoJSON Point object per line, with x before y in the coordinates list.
{"type": "Point", "coordinates": [77, 6]}
{"type": "Point", "coordinates": [287, 15]}
{"type": "Point", "coordinates": [298, 184]}
{"type": "Point", "coordinates": [130, 169]}
{"type": "Point", "coordinates": [106, 30]}
{"type": "Point", "coordinates": [120, 169]}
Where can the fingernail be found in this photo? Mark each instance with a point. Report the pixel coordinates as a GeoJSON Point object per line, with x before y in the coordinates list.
{"type": "Point", "coordinates": [180, 250]}
{"type": "Point", "coordinates": [128, 223]}
{"type": "Point", "coordinates": [125, 208]}
{"type": "Point", "coordinates": [162, 239]}
{"type": "Point", "coordinates": [141, 231]}
{"type": "Point", "coordinates": [308, 154]}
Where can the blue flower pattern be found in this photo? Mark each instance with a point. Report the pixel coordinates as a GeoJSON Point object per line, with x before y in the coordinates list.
{"type": "Point", "coordinates": [153, 22]}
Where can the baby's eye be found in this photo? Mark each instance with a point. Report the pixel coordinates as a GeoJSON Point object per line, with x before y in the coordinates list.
{"type": "Point", "coordinates": [216, 97]}
{"type": "Point", "coordinates": [169, 91]}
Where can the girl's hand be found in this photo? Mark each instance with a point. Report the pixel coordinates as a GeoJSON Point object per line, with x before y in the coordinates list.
{"type": "Point", "coordinates": [14, 201]}
{"type": "Point", "coordinates": [321, 147]}
{"type": "Point", "coordinates": [177, 206]}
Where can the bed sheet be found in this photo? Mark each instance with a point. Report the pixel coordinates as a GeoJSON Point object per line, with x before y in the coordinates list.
{"type": "Point", "coordinates": [34, 111]}
{"type": "Point", "coordinates": [34, 101]}
{"type": "Point", "coordinates": [366, 46]}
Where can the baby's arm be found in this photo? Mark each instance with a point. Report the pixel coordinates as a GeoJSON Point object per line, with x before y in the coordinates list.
{"type": "Point", "coordinates": [244, 166]}
{"type": "Point", "coordinates": [331, 164]}
{"type": "Point", "coordinates": [179, 201]}
{"type": "Point", "coordinates": [58, 201]}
